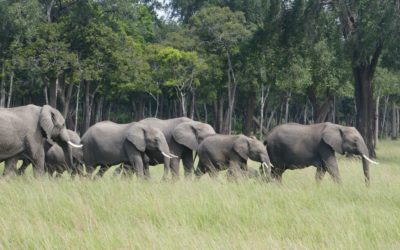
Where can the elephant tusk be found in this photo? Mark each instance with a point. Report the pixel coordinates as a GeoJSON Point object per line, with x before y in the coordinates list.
{"type": "Point", "coordinates": [368, 159]}
{"type": "Point", "coordinates": [75, 145]}
{"type": "Point", "coordinates": [266, 168]}
{"type": "Point", "coordinates": [174, 156]}
{"type": "Point", "coordinates": [166, 155]}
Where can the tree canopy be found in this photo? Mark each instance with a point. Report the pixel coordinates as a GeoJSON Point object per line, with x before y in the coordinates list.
{"type": "Point", "coordinates": [242, 66]}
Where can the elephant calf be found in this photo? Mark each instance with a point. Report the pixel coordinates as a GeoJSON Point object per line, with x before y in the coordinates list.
{"type": "Point", "coordinates": [219, 152]}
{"type": "Point", "coordinates": [293, 146]}
{"type": "Point", "coordinates": [55, 161]}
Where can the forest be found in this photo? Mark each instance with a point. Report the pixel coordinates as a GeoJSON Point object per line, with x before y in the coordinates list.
{"type": "Point", "coordinates": [243, 66]}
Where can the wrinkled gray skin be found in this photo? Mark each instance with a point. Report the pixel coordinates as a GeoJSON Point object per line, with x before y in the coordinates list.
{"type": "Point", "coordinates": [23, 131]}
{"type": "Point", "coordinates": [221, 152]}
{"type": "Point", "coordinates": [108, 143]}
{"type": "Point", "coordinates": [294, 146]}
{"type": "Point", "coordinates": [183, 136]}
{"type": "Point", "coordinates": [55, 161]}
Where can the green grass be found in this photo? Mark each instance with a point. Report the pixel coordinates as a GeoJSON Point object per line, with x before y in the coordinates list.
{"type": "Point", "coordinates": [113, 213]}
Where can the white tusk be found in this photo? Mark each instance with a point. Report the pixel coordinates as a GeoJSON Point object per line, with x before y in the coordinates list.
{"type": "Point", "coordinates": [75, 145]}
{"type": "Point", "coordinates": [266, 169]}
{"type": "Point", "coordinates": [164, 154]}
{"type": "Point", "coordinates": [368, 159]}
{"type": "Point", "coordinates": [174, 156]}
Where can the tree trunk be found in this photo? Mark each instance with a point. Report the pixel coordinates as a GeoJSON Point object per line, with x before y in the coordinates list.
{"type": "Point", "coordinates": [383, 126]}
{"type": "Point", "coordinates": [10, 90]}
{"type": "Point", "coordinates": [192, 105]}
{"type": "Point", "coordinates": [46, 94]}
{"type": "Point", "coordinates": [305, 115]}
{"type": "Point", "coordinates": [87, 107]}
{"type": "Point", "coordinates": [231, 96]}
{"type": "Point", "coordinates": [77, 108]}
{"type": "Point", "coordinates": [205, 113]}
{"type": "Point", "coordinates": [109, 112]}
{"type": "Point", "coordinates": [270, 119]}
{"type": "Point", "coordinates": [220, 114]}
{"type": "Point", "coordinates": [3, 87]}
{"type": "Point", "coordinates": [99, 109]}
{"type": "Point", "coordinates": [364, 104]}
{"type": "Point", "coordinates": [287, 107]}
{"type": "Point", "coordinates": [394, 133]}
{"type": "Point", "coordinates": [376, 120]}
{"type": "Point", "coordinates": [53, 91]}
{"type": "Point", "coordinates": [249, 113]}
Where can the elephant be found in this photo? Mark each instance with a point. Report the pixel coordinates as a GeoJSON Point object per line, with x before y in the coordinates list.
{"type": "Point", "coordinates": [183, 136]}
{"type": "Point", "coordinates": [107, 143]}
{"type": "Point", "coordinates": [221, 152]}
{"type": "Point", "coordinates": [55, 160]}
{"type": "Point", "coordinates": [294, 146]}
{"type": "Point", "coordinates": [23, 131]}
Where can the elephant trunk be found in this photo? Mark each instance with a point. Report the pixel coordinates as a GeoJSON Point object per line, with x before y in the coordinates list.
{"type": "Point", "coordinates": [265, 171]}
{"type": "Point", "coordinates": [366, 170]}
{"type": "Point", "coordinates": [64, 143]}
{"type": "Point", "coordinates": [365, 161]}
{"type": "Point", "coordinates": [164, 149]}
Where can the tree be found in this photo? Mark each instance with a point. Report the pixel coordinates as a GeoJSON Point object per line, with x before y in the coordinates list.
{"type": "Point", "coordinates": [221, 32]}
{"type": "Point", "coordinates": [367, 27]}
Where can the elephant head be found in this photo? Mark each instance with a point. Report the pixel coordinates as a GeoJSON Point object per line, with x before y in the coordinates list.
{"type": "Point", "coordinates": [52, 124]}
{"type": "Point", "coordinates": [252, 148]}
{"type": "Point", "coordinates": [148, 138]}
{"type": "Point", "coordinates": [192, 133]}
{"type": "Point", "coordinates": [347, 140]}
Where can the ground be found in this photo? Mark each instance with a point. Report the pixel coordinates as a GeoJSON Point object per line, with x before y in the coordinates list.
{"type": "Point", "coordinates": [114, 213]}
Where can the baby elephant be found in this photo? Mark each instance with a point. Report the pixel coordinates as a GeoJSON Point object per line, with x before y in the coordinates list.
{"type": "Point", "coordinates": [220, 152]}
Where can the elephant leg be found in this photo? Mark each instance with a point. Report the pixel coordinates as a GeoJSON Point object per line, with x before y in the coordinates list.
{"type": "Point", "coordinates": [234, 171]}
{"type": "Point", "coordinates": [89, 169]}
{"type": "Point", "coordinates": [102, 170]}
{"type": "Point", "coordinates": [319, 175]}
{"type": "Point", "coordinates": [276, 173]}
{"type": "Point", "coordinates": [10, 166]}
{"type": "Point", "coordinates": [187, 160]}
{"type": "Point", "coordinates": [174, 164]}
{"type": "Point", "coordinates": [200, 170]}
{"type": "Point", "coordinates": [146, 170]}
{"type": "Point", "coordinates": [24, 166]}
{"type": "Point", "coordinates": [38, 163]}
{"type": "Point", "coordinates": [330, 164]}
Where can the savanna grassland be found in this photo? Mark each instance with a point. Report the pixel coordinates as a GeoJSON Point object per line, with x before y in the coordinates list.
{"type": "Point", "coordinates": [120, 213]}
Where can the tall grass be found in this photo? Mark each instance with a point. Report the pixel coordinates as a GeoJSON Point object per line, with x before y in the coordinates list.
{"type": "Point", "coordinates": [118, 213]}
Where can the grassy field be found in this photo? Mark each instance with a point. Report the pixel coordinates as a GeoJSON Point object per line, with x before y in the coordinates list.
{"type": "Point", "coordinates": [114, 213]}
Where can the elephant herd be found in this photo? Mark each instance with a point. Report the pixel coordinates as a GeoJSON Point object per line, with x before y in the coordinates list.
{"type": "Point", "coordinates": [38, 136]}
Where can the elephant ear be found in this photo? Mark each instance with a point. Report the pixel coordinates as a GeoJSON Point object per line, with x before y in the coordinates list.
{"type": "Point", "coordinates": [46, 120]}
{"type": "Point", "coordinates": [186, 135]}
{"type": "Point", "coordinates": [136, 136]}
{"type": "Point", "coordinates": [241, 146]}
{"type": "Point", "coordinates": [333, 136]}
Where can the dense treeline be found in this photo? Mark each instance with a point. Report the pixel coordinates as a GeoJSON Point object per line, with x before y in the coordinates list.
{"type": "Point", "coordinates": [242, 66]}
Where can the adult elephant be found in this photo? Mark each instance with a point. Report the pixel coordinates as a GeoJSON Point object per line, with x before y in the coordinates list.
{"type": "Point", "coordinates": [55, 160]}
{"type": "Point", "coordinates": [293, 146]}
{"type": "Point", "coordinates": [183, 136]}
{"type": "Point", "coordinates": [108, 143]}
{"type": "Point", "coordinates": [23, 131]}
{"type": "Point", "coordinates": [221, 152]}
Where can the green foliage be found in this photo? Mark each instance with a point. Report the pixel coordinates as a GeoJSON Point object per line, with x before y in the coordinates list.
{"type": "Point", "coordinates": [387, 82]}
{"type": "Point", "coordinates": [220, 30]}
